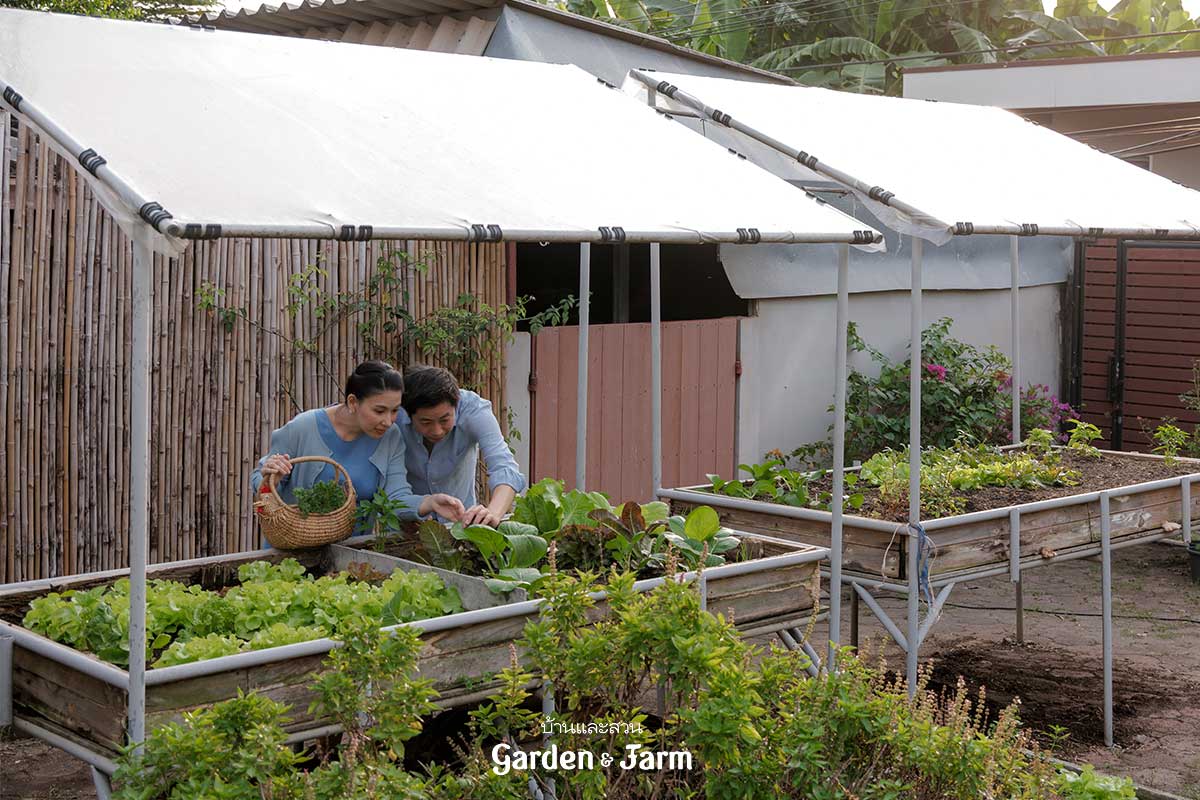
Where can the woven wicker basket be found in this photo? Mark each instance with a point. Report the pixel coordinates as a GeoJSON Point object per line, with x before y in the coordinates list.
{"type": "Point", "coordinates": [288, 529]}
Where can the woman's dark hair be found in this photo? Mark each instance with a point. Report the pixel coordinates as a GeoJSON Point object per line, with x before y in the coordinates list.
{"type": "Point", "coordinates": [371, 378]}
{"type": "Point", "coordinates": [428, 386]}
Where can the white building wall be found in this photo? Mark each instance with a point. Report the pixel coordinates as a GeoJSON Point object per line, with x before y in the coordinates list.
{"type": "Point", "coordinates": [788, 358]}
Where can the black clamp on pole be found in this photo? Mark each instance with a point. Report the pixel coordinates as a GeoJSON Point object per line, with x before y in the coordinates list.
{"type": "Point", "coordinates": [669, 89]}
{"type": "Point", "coordinates": [1162, 233]}
{"type": "Point", "coordinates": [736, 153]}
{"type": "Point", "coordinates": [865, 237]}
{"type": "Point", "coordinates": [613, 235]}
{"type": "Point", "coordinates": [154, 214]}
{"type": "Point", "coordinates": [964, 228]}
{"type": "Point", "coordinates": [350, 233]}
{"type": "Point", "coordinates": [1028, 229]}
{"type": "Point", "coordinates": [194, 230]}
{"type": "Point", "coordinates": [1095, 233]}
{"type": "Point", "coordinates": [807, 160]}
{"type": "Point", "coordinates": [13, 98]}
{"type": "Point", "coordinates": [485, 233]}
{"type": "Point", "coordinates": [881, 195]}
{"type": "Point", "coordinates": [749, 236]}
{"type": "Point", "coordinates": [91, 160]}
{"type": "Point", "coordinates": [720, 117]}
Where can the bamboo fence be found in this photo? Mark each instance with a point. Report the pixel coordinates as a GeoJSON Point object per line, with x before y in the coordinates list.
{"type": "Point", "coordinates": [217, 391]}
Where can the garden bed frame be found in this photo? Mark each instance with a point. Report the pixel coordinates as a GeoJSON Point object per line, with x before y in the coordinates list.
{"type": "Point", "coordinates": [79, 703]}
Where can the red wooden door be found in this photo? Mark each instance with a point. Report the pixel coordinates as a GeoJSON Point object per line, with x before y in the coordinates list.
{"type": "Point", "coordinates": [698, 404]}
{"type": "Point", "coordinates": [1141, 337]}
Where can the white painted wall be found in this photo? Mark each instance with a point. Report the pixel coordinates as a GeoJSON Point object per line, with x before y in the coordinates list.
{"type": "Point", "coordinates": [788, 358]}
{"type": "Point", "coordinates": [516, 393]}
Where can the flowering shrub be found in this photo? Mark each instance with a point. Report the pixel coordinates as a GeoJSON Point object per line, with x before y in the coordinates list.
{"type": "Point", "coordinates": [966, 394]}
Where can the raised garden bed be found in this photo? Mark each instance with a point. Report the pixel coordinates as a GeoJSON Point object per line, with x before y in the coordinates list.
{"type": "Point", "coordinates": [874, 536]}
{"type": "Point", "coordinates": [53, 690]}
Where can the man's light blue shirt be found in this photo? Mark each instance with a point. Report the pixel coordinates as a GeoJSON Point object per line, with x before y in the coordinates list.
{"type": "Point", "coordinates": [450, 466]}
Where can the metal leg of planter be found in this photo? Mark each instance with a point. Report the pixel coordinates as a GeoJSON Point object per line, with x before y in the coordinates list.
{"type": "Point", "coordinates": [935, 611]}
{"type": "Point", "coordinates": [1014, 566]}
{"type": "Point", "coordinates": [585, 280]}
{"type": "Point", "coordinates": [6, 682]}
{"type": "Point", "coordinates": [102, 784]}
{"type": "Point", "coordinates": [1106, 601]}
{"type": "Point", "coordinates": [790, 643]}
{"type": "Point", "coordinates": [854, 620]}
{"type": "Point", "coordinates": [839, 454]}
{"type": "Point", "coordinates": [1185, 491]}
{"type": "Point", "coordinates": [914, 472]}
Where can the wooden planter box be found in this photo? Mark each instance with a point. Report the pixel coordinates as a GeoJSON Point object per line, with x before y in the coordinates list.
{"type": "Point", "coordinates": [965, 544]}
{"type": "Point", "coordinates": [461, 661]}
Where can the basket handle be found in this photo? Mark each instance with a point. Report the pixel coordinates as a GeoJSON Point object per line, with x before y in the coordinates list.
{"type": "Point", "coordinates": [273, 478]}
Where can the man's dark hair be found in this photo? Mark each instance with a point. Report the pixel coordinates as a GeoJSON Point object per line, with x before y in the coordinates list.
{"type": "Point", "coordinates": [372, 377]}
{"type": "Point", "coordinates": [426, 386]}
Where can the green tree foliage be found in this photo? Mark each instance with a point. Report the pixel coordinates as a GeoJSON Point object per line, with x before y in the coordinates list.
{"type": "Point", "coordinates": [150, 10]}
{"type": "Point", "coordinates": [863, 45]}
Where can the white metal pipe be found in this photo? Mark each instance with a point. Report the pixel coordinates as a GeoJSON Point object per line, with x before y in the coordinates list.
{"type": "Point", "coordinates": [1015, 263]}
{"type": "Point", "coordinates": [808, 649]}
{"type": "Point", "coordinates": [914, 469]}
{"type": "Point", "coordinates": [812, 163]}
{"type": "Point", "coordinates": [98, 761]}
{"type": "Point", "coordinates": [656, 364]}
{"type": "Point", "coordinates": [139, 480]}
{"type": "Point", "coordinates": [585, 283]}
{"type": "Point", "coordinates": [839, 453]}
{"type": "Point", "coordinates": [102, 785]}
{"type": "Point", "coordinates": [1014, 544]}
{"type": "Point", "coordinates": [720, 501]}
{"type": "Point", "coordinates": [88, 665]}
{"type": "Point", "coordinates": [1106, 606]}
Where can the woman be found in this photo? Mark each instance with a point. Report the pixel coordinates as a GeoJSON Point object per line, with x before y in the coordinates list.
{"type": "Point", "coordinates": [359, 434]}
{"type": "Point", "coordinates": [444, 428]}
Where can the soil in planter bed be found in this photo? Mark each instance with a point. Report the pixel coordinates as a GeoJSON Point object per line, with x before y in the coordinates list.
{"type": "Point", "coordinates": [1106, 472]}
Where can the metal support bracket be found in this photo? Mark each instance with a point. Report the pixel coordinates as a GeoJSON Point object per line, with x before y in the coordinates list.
{"type": "Point", "coordinates": [935, 611]}
{"type": "Point", "coordinates": [898, 637]}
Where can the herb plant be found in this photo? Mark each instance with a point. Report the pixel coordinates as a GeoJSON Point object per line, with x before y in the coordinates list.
{"type": "Point", "coordinates": [322, 497]}
{"type": "Point", "coordinates": [1082, 436]}
{"type": "Point", "coordinates": [1169, 440]}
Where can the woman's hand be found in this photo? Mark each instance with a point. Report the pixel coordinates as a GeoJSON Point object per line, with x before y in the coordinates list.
{"type": "Point", "coordinates": [278, 464]}
{"type": "Point", "coordinates": [445, 506]}
{"type": "Point", "coordinates": [481, 515]}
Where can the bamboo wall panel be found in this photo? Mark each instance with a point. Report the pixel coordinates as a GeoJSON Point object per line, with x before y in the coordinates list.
{"type": "Point", "coordinates": [216, 393]}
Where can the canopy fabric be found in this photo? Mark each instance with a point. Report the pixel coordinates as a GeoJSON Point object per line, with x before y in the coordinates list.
{"type": "Point", "coordinates": [281, 136]}
{"type": "Point", "coordinates": [959, 168]}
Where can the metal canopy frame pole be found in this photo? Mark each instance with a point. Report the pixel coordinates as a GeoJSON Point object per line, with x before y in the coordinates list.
{"type": "Point", "coordinates": [839, 454]}
{"type": "Point", "coordinates": [914, 470]}
{"type": "Point", "coordinates": [585, 281]}
{"type": "Point", "coordinates": [656, 365]}
{"type": "Point", "coordinates": [1015, 260]}
{"type": "Point", "coordinates": [139, 481]}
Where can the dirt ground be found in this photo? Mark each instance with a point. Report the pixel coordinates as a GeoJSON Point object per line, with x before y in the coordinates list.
{"type": "Point", "coordinates": [1056, 673]}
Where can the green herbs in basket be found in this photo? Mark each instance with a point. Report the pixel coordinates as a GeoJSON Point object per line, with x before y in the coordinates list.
{"type": "Point", "coordinates": [323, 498]}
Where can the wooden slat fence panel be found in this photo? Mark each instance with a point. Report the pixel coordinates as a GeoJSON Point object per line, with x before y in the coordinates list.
{"type": "Point", "coordinates": [699, 389]}
{"type": "Point", "coordinates": [216, 394]}
{"type": "Point", "coordinates": [1162, 336]}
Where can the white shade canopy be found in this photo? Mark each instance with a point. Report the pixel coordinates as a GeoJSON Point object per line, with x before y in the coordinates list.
{"type": "Point", "coordinates": [281, 136]}
{"type": "Point", "coordinates": [933, 169]}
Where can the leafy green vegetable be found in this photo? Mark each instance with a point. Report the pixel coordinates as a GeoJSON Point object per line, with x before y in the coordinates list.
{"type": "Point", "coordinates": [275, 604]}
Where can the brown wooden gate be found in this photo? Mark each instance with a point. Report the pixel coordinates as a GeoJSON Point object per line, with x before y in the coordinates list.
{"type": "Point", "coordinates": [698, 404]}
{"type": "Point", "coordinates": [1141, 337]}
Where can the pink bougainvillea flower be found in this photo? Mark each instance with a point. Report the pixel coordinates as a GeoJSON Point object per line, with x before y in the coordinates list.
{"type": "Point", "coordinates": [937, 370]}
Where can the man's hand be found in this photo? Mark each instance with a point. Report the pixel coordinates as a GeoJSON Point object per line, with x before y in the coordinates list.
{"type": "Point", "coordinates": [444, 505]}
{"type": "Point", "coordinates": [481, 515]}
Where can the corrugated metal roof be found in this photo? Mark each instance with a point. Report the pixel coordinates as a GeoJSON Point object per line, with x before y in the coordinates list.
{"type": "Point", "coordinates": [450, 26]}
